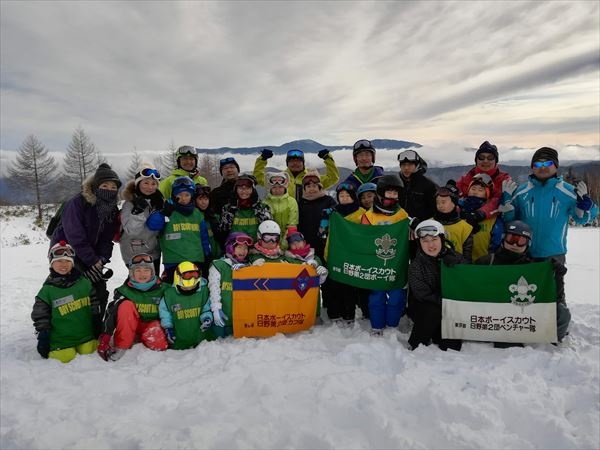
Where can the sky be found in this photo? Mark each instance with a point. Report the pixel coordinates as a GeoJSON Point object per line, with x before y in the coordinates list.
{"type": "Point", "coordinates": [448, 75]}
{"type": "Point", "coordinates": [325, 388]}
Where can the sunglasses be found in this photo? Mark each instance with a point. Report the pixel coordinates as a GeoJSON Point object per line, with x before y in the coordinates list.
{"type": "Point", "coordinates": [244, 240]}
{"type": "Point", "coordinates": [408, 156]}
{"type": "Point", "coordinates": [482, 157]}
{"type": "Point", "coordinates": [184, 181]}
{"type": "Point", "coordinates": [428, 231]}
{"type": "Point", "coordinates": [62, 251]}
{"type": "Point", "coordinates": [295, 154]}
{"type": "Point", "coordinates": [147, 173]}
{"type": "Point", "coordinates": [540, 164]}
{"type": "Point", "coordinates": [363, 144]}
{"type": "Point", "coordinates": [515, 239]}
{"type": "Point", "coordinates": [187, 150]}
{"type": "Point", "coordinates": [277, 181]}
{"type": "Point", "coordinates": [141, 258]}
{"type": "Point", "coordinates": [483, 178]}
{"type": "Point", "coordinates": [270, 237]}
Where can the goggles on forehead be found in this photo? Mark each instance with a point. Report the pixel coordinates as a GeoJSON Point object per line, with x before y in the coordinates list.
{"type": "Point", "coordinates": [268, 237]}
{"type": "Point", "coordinates": [228, 160]}
{"type": "Point", "coordinates": [343, 186]}
{"type": "Point", "coordinates": [295, 154]}
{"type": "Point", "coordinates": [540, 164]}
{"type": "Point", "coordinates": [147, 173]}
{"type": "Point", "coordinates": [483, 178]}
{"type": "Point", "coordinates": [428, 231]}
{"type": "Point", "coordinates": [187, 150]}
{"type": "Point", "coordinates": [62, 251]}
{"type": "Point", "coordinates": [515, 239]}
{"type": "Point", "coordinates": [244, 240]}
{"type": "Point", "coordinates": [141, 258]}
{"type": "Point", "coordinates": [408, 156]}
{"type": "Point", "coordinates": [363, 144]}
{"type": "Point", "coordinates": [183, 181]}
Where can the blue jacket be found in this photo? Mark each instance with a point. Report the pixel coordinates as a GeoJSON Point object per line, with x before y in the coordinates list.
{"type": "Point", "coordinates": [547, 208]}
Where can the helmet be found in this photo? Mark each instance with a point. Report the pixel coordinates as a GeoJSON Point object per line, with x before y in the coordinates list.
{"type": "Point", "coordinates": [388, 181]}
{"type": "Point", "coordinates": [141, 260]}
{"type": "Point", "coordinates": [268, 227]}
{"type": "Point", "coordinates": [185, 150]}
{"type": "Point", "coordinates": [518, 228]}
{"type": "Point", "coordinates": [299, 154]}
{"type": "Point", "coordinates": [236, 238]}
{"type": "Point", "coordinates": [187, 275]}
{"type": "Point", "coordinates": [183, 184]}
{"type": "Point", "coordinates": [484, 180]}
{"type": "Point", "coordinates": [429, 227]}
{"type": "Point", "coordinates": [366, 187]}
{"type": "Point", "coordinates": [361, 146]}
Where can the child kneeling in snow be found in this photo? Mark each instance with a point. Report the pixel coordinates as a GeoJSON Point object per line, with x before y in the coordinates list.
{"type": "Point", "coordinates": [220, 279]}
{"type": "Point", "coordinates": [62, 312]}
{"type": "Point", "coordinates": [133, 314]}
{"type": "Point", "coordinates": [185, 310]}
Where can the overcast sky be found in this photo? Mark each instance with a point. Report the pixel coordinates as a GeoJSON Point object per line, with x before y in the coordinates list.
{"type": "Point", "coordinates": [445, 74]}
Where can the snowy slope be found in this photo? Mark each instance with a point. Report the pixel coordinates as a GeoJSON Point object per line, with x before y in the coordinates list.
{"type": "Point", "coordinates": [326, 388]}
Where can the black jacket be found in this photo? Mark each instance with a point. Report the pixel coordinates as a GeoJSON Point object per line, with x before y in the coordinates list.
{"type": "Point", "coordinates": [309, 217]}
{"type": "Point", "coordinates": [418, 196]}
{"type": "Point", "coordinates": [221, 195]}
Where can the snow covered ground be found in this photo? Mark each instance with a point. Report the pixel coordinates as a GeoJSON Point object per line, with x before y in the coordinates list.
{"type": "Point", "coordinates": [326, 388]}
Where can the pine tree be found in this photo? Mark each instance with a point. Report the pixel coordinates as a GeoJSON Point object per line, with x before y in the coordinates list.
{"type": "Point", "coordinates": [166, 162]}
{"type": "Point", "coordinates": [82, 158]}
{"type": "Point", "coordinates": [33, 169]}
{"type": "Point", "coordinates": [133, 165]}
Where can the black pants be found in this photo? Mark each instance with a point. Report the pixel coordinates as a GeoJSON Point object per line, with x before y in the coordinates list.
{"type": "Point", "coordinates": [427, 328]}
{"type": "Point", "coordinates": [341, 301]}
{"type": "Point", "coordinates": [99, 306]}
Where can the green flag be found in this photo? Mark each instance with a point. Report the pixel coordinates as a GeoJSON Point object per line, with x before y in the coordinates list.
{"type": "Point", "coordinates": [368, 256]}
{"type": "Point", "coordinates": [512, 303]}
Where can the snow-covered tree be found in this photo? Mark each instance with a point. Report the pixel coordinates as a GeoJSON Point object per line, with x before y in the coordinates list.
{"type": "Point", "coordinates": [82, 158]}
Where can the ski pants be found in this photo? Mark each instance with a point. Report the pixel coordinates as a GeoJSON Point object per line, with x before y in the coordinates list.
{"type": "Point", "coordinates": [427, 327]}
{"type": "Point", "coordinates": [130, 326]}
{"type": "Point", "coordinates": [386, 308]}
{"type": "Point", "coordinates": [342, 300]}
{"type": "Point", "coordinates": [66, 355]}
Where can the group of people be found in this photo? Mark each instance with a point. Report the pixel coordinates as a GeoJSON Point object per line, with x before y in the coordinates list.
{"type": "Point", "coordinates": [202, 235]}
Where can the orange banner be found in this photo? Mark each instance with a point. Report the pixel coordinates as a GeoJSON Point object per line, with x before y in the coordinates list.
{"type": "Point", "coordinates": [274, 298]}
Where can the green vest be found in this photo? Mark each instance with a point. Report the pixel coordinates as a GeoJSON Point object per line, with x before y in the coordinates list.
{"type": "Point", "coordinates": [245, 220]}
{"type": "Point", "coordinates": [180, 239]}
{"type": "Point", "coordinates": [146, 302]}
{"type": "Point", "coordinates": [185, 313]}
{"type": "Point", "coordinates": [71, 322]}
{"type": "Point", "coordinates": [226, 289]}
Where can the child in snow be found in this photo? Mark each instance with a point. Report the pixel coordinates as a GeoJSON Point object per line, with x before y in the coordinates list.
{"type": "Point", "coordinates": [386, 307]}
{"type": "Point", "coordinates": [284, 208]}
{"type": "Point", "coordinates": [62, 311]}
{"type": "Point", "coordinates": [424, 280]}
{"type": "Point", "coordinates": [487, 232]}
{"type": "Point", "coordinates": [185, 310]}
{"type": "Point", "coordinates": [458, 232]}
{"type": "Point", "coordinates": [366, 195]}
{"type": "Point", "coordinates": [267, 247]}
{"type": "Point", "coordinates": [220, 275]}
{"type": "Point", "coordinates": [183, 230]}
{"type": "Point", "coordinates": [133, 314]}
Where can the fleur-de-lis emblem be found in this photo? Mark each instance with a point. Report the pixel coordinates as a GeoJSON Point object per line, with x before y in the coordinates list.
{"type": "Point", "coordinates": [386, 249]}
{"type": "Point", "coordinates": [521, 290]}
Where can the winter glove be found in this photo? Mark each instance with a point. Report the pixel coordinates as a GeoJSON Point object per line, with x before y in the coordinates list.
{"type": "Point", "coordinates": [584, 202]}
{"type": "Point", "coordinates": [266, 154]}
{"type": "Point", "coordinates": [473, 218]}
{"type": "Point", "coordinates": [170, 335]}
{"type": "Point", "coordinates": [322, 272]}
{"type": "Point", "coordinates": [104, 348]}
{"type": "Point", "coordinates": [219, 317]}
{"type": "Point", "coordinates": [509, 187]}
{"type": "Point", "coordinates": [168, 209]}
{"type": "Point", "coordinates": [258, 262]}
{"type": "Point", "coordinates": [139, 205]}
{"type": "Point", "coordinates": [323, 154]}
{"type": "Point", "coordinates": [506, 207]}
{"type": "Point", "coordinates": [43, 343]}
{"type": "Point", "coordinates": [94, 273]}
{"type": "Point", "coordinates": [206, 320]}
{"type": "Point", "coordinates": [312, 262]}
{"type": "Point", "coordinates": [238, 266]}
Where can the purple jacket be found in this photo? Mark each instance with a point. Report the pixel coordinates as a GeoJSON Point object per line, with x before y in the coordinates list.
{"type": "Point", "coordinates": [80, 227]}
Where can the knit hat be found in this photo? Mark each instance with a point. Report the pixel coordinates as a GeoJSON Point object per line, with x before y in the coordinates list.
{"type": "Point", "coordinates": [61, 250]}
{"type": "Point", "coordinates": [146, 170]}
{"type": "Point", "coordinates": [141, 260]}
{"type": "Point", "coordinates": [105, 173]}
{"type": "Point", "coordinates": [245, 180]}
{"type": "Point", "coordinates": [183, 184]}
{"type": "Point", "coordinates": [547, 153]}
{"type": "Point", "coordinates": [293, 235]}
{"type": "Point", "coordinates": [226, 161]}
{"type": "Point", "coordinates": [284, 175]}
{"type": "Point", "coordinates": [449, 190]}
{"type": "Point", "coordinates": [486, 147]}
{"type": "Point", "coordinates": [312, 176]}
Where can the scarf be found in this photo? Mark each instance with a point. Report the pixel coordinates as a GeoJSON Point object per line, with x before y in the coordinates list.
{"type": "Point", "coordinates": [186, 210]}
{"type": "Point", "coordinates": [303, 252]}
{"type": "Point", "coordinates": [269, 253]}
{"type": "Point", "coordinates": [106, 204]}
{"type": "Point", "coordinates": [314, 196]}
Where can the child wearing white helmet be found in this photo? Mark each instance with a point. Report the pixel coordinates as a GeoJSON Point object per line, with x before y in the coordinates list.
{"type": "Point", "coordinates": [267, 248]}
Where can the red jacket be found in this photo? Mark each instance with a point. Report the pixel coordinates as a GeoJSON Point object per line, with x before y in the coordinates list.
{"type": "Point", "coordinates": [490, 207]}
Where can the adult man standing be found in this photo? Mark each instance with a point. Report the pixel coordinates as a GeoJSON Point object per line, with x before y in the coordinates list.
{"type": "Point", "coordinates": [296, 170]}
{"type": "Point", "coordinates": [418, 195]}
{"type": "Point", "coordinates": [187, 166]}
{"type": "Point", "coordinates": [546, 203]}
{"type": "Point", "coordinates": [366, 171]}
{"type": "Point", "coordinates": [220, 196]}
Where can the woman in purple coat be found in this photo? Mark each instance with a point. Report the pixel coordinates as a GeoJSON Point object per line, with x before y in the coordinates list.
{"type": "Point", "coordinates": [88, 223]}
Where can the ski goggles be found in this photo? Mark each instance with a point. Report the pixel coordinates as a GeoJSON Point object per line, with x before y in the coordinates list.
{"type": "Point", "coordinates": [295, 154]}
{"type": "Point", "coordinates": [190, 275]}
{"type": "Point", "coordinates": [61, 251]}
{"type": "Point", "coordinates": [343, 186]}
{"type": "Point", "coordinates": [295, 237]}
{"type": "Point", "coordinates": [408, 156]}
{"type": "Point", "coordinates": [244, 240]}
{"type": "Point", "coordinates": [489, 157]}
{"type": "Point", "coordinates": [428, 231]}
{"type": "Point", "coordinates": [516, 239]}
{"type": "Point", "coordinates": [141, 258]}
{"type": "Point", "coordinates": [187, 150]}
{"type": "Point", "coordinates": [540, 164]}
{"type": "Point", "coordinates": [482, 178]}
{"type": "Point", "coordinates": [363, 144]}
{"type": "Point", "coordinates": [147, 173]}
{"type": "Point", "coordinates": [228, 160]}
{"type": "Point", "coordinates": [184, 181]}
{"type": "Point", "coordinates": [268, 237]}
{"type": "Point", "coordinates": [277, 181]}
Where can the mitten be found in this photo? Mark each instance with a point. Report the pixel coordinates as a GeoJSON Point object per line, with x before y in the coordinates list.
{"type": "Point", "coordinates": [219, 317]}
{"type": "Point", "coordinates": [238, 266]}
{"type": "Point", "coordinates": [170, 335]}
{"type": "Point", "coordinates": [312, 262]}
{"type": "Point", "coordinates": [168, 209]}
{"type": "Point", "coordinates": [266, 154]}
{"type": "Point", "coordinates": [104, 348]}
{"type": "Point", "coordinates": [43, 343]}
{"type": "Point", "coordinates": [258, 262]}
{"type": "Point", "coordinates": [94, 273]}
{"type": "Point", "coordinates": [206, 320]}
{"type": "Point", "coordinates": [323, 154]}
{"type": "Point", "coordinates": [322, 272]}
{"type": "Point", "coordinates": [139, 205]}
{"type": "Point", "coordinates": [584, 202]}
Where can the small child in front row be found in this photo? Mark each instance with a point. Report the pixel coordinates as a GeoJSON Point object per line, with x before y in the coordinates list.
{"type": "Point", "coordinates": [220, 279]}
{"type": "Point", "coordinates": [133, 314]}
{"type": "Point", "coordinates": [62, 311]}
{"type": "Point", "coordinates": [267, 248]}
{"type": "Point", "coordinates": [185, 310]}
